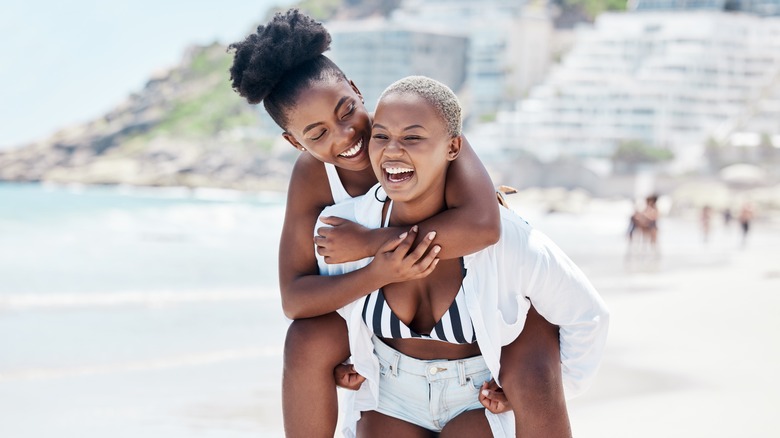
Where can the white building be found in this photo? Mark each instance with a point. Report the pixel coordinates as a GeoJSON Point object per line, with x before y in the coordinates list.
{"type": "Point", "coordinates": [376, 53]}
{"type": "Point", "coordinates": [760, 7]}
{"type": "Point", "coordinates": [490, 52]}
{"type": "Point", "coordinates": [509, 45]}
{"type": "Point", "coordinates": [668, 79]}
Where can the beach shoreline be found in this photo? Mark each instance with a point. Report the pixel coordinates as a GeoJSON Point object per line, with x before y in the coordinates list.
{"type": "Point", "coordinates": [691, 348]}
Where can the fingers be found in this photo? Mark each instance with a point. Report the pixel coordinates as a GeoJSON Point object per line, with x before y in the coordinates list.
{"type": "Point", "coordinates": [404, 242]}
{"type": "Point", "coordinates": [321, 238]}
{"type": "Point", "coordinates": [422, 263]}
{"type": "Point", "coordinates": [341, 375]}
{"type": "Point", "coordinates": [423, 246]}
{"type": "Point", "coordinates": [346, 377]}
{"type": "Point", "coordinates": [407, 241]}
{"type": "Point", "coordinates": [496, 396]}
{"type": "Point", "coordinates": [493, 398]}
{"type": "Point", "coordinates": [426, 261]}
{"type": "Point", "coordinates": [332, 220]}
{"type": "Point", "coordinates": [355, 380]}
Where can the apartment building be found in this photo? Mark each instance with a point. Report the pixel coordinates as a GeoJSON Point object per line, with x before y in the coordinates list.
{"type": "Point", "coordinates": [766, 8]}
{"type": "Point", "coordinates": [491, 52]}
{"type": "Point", "coordinates": [671, 80]}
{"type": "Point", "coordinates": [376, 53]}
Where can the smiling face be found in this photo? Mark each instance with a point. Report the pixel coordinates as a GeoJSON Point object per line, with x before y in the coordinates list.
{"type": "Point", "coordinates": [411, 149]}
{"type": "Point", "coordinates": [330, 121]}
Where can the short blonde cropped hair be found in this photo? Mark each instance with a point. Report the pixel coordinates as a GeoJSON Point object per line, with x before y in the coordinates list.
{"type": "Point", "coordinates": [440, 96]}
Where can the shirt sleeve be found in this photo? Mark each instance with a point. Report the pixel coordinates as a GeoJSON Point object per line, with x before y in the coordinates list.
{"type": "Point", "coordinates": [563, 295]}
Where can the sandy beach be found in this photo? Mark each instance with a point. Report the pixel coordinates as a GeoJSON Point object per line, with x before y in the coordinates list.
{"type": "Point", "coordinates": [692, 348]}
{"type": "Point", "coordinates": [693, 341]}
{"type": "Point", "coordinates": [693, 344]}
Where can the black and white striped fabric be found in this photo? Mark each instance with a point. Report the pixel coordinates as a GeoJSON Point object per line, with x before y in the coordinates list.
{"type": "Point", "coordinates": [454, 327]}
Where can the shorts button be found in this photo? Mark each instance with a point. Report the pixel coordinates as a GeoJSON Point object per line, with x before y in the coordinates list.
{"type": "Point", "coordinates": [433, 370]}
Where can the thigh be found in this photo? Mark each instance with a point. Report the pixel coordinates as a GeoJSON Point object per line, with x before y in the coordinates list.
{"type": "Point", "coordinates": [537, 346]}
{"type": "Point", "coordinates": [531, 378]}
{"type": "Point", "coordinates": [372, 424]}
{"type": "Point", "coordinates": [470, 424]}
{"type": "Point", "coordinates": [312, 348]}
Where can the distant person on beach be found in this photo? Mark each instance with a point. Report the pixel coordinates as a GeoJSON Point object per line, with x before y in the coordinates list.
{"type": "Point", "coordinates": [322, 115]}
{"type": "Point", "coordinates": [644, 223]}
{"type": "Point", "coordinates": [727, 216]}
{"type": "Point", "coordinates": [745, 217]}
{"type": "Point", "coordinates": [427, 345]}
{"type": "Point", "coordinates": [706, 222]}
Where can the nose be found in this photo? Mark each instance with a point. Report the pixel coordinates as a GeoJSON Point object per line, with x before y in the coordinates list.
{"type": "Point", "coordinates": [345, 136]}
{"type": "Point", "coordinates": [392, 148]}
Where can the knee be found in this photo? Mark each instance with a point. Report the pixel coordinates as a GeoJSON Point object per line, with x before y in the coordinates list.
{"type": "Point", "coordinates": [316, 340]}
{"type": "Point", "coordinates": [533, 382]}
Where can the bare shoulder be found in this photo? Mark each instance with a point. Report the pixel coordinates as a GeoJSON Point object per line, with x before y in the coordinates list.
{"type": "Point", "coordinates": [309, 184]}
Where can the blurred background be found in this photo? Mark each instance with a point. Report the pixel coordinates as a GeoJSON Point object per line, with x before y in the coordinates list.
{"type": "Point", "coordinates": [141, 200]}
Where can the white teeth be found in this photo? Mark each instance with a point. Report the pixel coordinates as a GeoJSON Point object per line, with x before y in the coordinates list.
{"type": "Point", "coordinates": [351, 152]}
{"type": "Point", "coordinates": [397, 170]}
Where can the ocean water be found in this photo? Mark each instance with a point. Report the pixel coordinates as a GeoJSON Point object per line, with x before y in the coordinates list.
{"type": "Point", "coordinates": [138, 312]}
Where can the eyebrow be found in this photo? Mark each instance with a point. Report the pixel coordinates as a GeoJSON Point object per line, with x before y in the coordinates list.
{"type": "Point", "coordinates": [315, 124]}
{"type": "Point", "coordinates": [377, 125]}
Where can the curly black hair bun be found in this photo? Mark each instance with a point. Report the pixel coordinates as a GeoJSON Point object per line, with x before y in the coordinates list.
{"type": "Point", "coordinates": [263, 59]}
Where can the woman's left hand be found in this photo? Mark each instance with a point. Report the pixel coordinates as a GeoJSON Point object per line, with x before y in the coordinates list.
{"type": "Point", "coordinates": [344, 241]}
{"type": "Point", "coordinates": [493, 398]}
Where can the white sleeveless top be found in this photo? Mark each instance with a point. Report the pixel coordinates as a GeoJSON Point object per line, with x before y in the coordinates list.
{"type": "Point", "coordinates": [336, 187]}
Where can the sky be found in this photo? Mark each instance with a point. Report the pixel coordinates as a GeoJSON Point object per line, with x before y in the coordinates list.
{"type": "Point", "coordinates": [66, 62]}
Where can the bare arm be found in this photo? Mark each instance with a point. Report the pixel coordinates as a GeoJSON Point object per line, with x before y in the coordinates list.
{"type": "Point", "coordinates": [305, 293]}
{"type": "Point", "coordinates": [472, 220]}
{"type": "Point", "coordinates": [470, 223]}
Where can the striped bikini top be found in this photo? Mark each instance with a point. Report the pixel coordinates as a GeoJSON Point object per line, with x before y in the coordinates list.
{"type": "Point", "coordinates": [454, 326]}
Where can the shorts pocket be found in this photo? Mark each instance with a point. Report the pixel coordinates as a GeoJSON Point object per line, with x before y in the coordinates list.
{"type": "Point", "coordinates": [475, 380]}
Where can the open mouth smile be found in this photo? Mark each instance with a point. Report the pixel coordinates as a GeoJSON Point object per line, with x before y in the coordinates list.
{"type": "Point", "coordinates": [397, 174]}
{"type": "Point", "coordinates": [353, 151]}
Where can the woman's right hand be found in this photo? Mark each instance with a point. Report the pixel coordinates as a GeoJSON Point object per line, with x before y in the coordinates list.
{"type": "Point", "coordinates": [396, 261]}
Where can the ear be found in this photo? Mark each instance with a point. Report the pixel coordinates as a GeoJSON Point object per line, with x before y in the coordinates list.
{"type": "Point", "coordinates": [453, 150]}
{"type": "Point", "coordinates": [355, 88]}
{"type": "Point", "coordinates": [295, 143]}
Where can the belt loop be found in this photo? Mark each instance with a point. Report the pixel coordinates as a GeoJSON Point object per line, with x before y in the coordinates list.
{"type": "Point", "coordinates": [394, 365]}
{"type": "Point", "coordinates": [462, 372]}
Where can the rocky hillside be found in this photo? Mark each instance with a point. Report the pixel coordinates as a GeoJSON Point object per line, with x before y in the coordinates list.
{"type": "Point", "coordinates": [186, 127]}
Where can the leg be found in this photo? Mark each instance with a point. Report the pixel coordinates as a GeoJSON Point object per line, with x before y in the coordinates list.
{"type": "Point", "coordinates": [313, 347]}
{"type": "Point", "coordinates": [531, 378]}
{"type": "Point", "coordinates": [470, 424]}
{"type": "Point", "coordinates": [372, 424]}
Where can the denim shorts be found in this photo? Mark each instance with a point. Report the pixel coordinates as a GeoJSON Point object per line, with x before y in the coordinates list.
{"type": "Point", "coordinates": [428, 393]}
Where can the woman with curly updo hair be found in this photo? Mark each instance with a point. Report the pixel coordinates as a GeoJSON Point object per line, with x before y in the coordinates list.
{"type": "Point", "coordinates": [321, 113]}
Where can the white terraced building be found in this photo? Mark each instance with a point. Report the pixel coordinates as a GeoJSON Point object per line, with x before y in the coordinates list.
{"type": "Point", "coordinates": [759, 7]}
{"type": "Point", "coordinates": [668, 79]}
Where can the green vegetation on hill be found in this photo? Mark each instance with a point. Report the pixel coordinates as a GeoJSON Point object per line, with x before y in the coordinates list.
{"type": "Point", "coordinates": [576, 11]}
{"type": "Point", "coordinates": [208, 105]}
{"type": "Point", "coordinates": [594, 7]}
{"type": "Point", "coordinates": [328, 9]}
{"type": "Point", "coordinates": [320, 9]}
